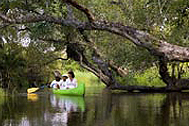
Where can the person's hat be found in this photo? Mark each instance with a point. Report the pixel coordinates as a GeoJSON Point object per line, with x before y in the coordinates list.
{"type": "Point", "coordinates": [57, 74]}
{"type": "Point", "coordinates": [65, 75]}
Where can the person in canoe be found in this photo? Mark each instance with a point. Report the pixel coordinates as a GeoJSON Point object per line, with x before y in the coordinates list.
{"type": "Point", "coordinates": [71, 82]}
{"type": "Point", "coordinates": [58, 80]}
{"type": "Point", "coordinates": [64, 83]}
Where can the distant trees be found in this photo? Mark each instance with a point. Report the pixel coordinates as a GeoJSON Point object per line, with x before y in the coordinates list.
{"type": "Point", "coordinates": [21, 66]}
{"type": "Point", "coordinates": [12, 65]}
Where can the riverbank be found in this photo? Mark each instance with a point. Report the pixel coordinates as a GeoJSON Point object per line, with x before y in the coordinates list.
{"type": "Point", "coordinates": [149, 77]}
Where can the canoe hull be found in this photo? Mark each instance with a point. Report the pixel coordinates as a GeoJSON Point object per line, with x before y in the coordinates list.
{"type": "Point", "coordinates": [79, 91]}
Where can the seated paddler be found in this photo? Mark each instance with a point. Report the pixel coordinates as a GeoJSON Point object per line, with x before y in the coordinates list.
{"type": "Point", "coordinates": [58, 80]}
{"type": "Point", "coordinates": [71, 82]}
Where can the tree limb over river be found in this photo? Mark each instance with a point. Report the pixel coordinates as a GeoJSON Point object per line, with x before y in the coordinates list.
{"type": "Point", "coordinates": [165, 51]}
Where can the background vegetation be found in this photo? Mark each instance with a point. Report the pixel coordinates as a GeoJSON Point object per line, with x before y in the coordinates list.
{"type": "Point", "coordinates": [25, 58]}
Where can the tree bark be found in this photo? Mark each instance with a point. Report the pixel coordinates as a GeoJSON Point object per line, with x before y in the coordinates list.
{"type": "Point", "coordinates": [75, 52]}
{"type": "Point", "coordinates": [119, 70]}
{"type": "Point", "coordinates": [173, 83]}
{"type": "Point", "coordinates": [163, 71]}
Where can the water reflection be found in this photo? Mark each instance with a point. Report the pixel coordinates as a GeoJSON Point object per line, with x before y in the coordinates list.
{"type": "Point", "coordinates": [68, 103]}
{"type": "Point", "coordinates": [104, 109]}
{"type": "Point", "coordinates": [64, 107]}
{"type": "Point", "coordinates": [37, 109]}
{"type": "Point", "coordinates": [33, 97]}
{"type": "Point", "coordinates": [139, 110]}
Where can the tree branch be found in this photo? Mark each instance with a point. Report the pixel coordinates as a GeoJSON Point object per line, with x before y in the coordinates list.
{"type": "Point", "coordinates": [120, 71]}
{"type": "Point", "coordinates": [33, 18]}
{"type": "Point", "coordinates": [81, 8]}
{"type": "Point", "coordinates": [140, 38]}
{"type": "Point", "coordinates": [53, 40]}
{"type": "Point", "coordinates": [59, 58]}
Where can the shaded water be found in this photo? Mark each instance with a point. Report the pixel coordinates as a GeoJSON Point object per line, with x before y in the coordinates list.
{"type": "Point", "coordinates": [100, 109]}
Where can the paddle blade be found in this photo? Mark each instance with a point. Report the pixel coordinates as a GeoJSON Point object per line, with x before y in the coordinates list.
{"type": "Point", "coordinates": [32, 90]}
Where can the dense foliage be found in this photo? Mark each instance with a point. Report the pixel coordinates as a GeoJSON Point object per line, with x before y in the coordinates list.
{"type": "Point", "coordinates": [21, 66]}
{"type": "Point", "coordinates": [167, 20]}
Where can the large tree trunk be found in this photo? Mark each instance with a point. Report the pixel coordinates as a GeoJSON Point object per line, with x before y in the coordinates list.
{"type": "Point", "coordinates": [164, 73]}
{"type": "Point", "coordinates": [173, 83]}
{"type": "Point", "coordinates": [103, 72]}
{"type": "Point", "coordinates": [76, 53]}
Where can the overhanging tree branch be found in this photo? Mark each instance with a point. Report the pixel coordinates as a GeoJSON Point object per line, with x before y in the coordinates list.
{"type": "Point", "coordinates": [59, 58]}
{"type": "Point", "coordinates": [81, 8]}
{"type": "Point", "coordinates": [120, 71]}
{"type": "Point", "coordinates": [33, 18]}
{"type": "Point", "coordinates": [140, 38]}
{"type": "Point", "coordinates": [53, 40]}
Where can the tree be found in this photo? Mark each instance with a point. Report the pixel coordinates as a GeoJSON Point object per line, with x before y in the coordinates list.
{"type": "Point", "coordinates": [63, 19]}
{"type": "Point", "coordinates": [11, 64]}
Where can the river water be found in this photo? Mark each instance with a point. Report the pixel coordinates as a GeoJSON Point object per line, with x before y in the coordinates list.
{"type": "Point", "coordinates": [95, 109]}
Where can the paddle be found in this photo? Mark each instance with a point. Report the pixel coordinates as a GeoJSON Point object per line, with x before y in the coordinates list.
{"type": "Point", "coordinates": [34, 89]}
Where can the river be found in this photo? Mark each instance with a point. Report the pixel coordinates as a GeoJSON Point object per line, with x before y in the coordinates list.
{"type": "Point", "coordinates": [95, 109]}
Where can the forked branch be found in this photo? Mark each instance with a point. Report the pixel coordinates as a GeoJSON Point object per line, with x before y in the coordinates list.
{"type": "Point", "coordinates": [81, 8]}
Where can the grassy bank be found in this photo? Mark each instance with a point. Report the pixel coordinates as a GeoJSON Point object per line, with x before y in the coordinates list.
{"type": "Point", "coordinates": [88, 78]}
{"type": "Point", "coordinates": [149, 77]}
{"type": "Point", "coordinates": [92, 83]}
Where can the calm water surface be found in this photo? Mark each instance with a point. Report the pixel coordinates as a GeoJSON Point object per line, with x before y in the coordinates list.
{"type": "Point", "coordinates": [95, 109]}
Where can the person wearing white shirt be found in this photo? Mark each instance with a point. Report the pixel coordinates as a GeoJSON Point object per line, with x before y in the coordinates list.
{"type": "Point", "coordinates": [64, 83]}
{"type": "Point", "coordinates": [71, 82]}
{"type": "Point", "coordinates": [58, 81]}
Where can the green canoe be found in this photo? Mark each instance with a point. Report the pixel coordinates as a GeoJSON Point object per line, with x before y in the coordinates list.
{"type": "Point", "coordinates": [79, 90]}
